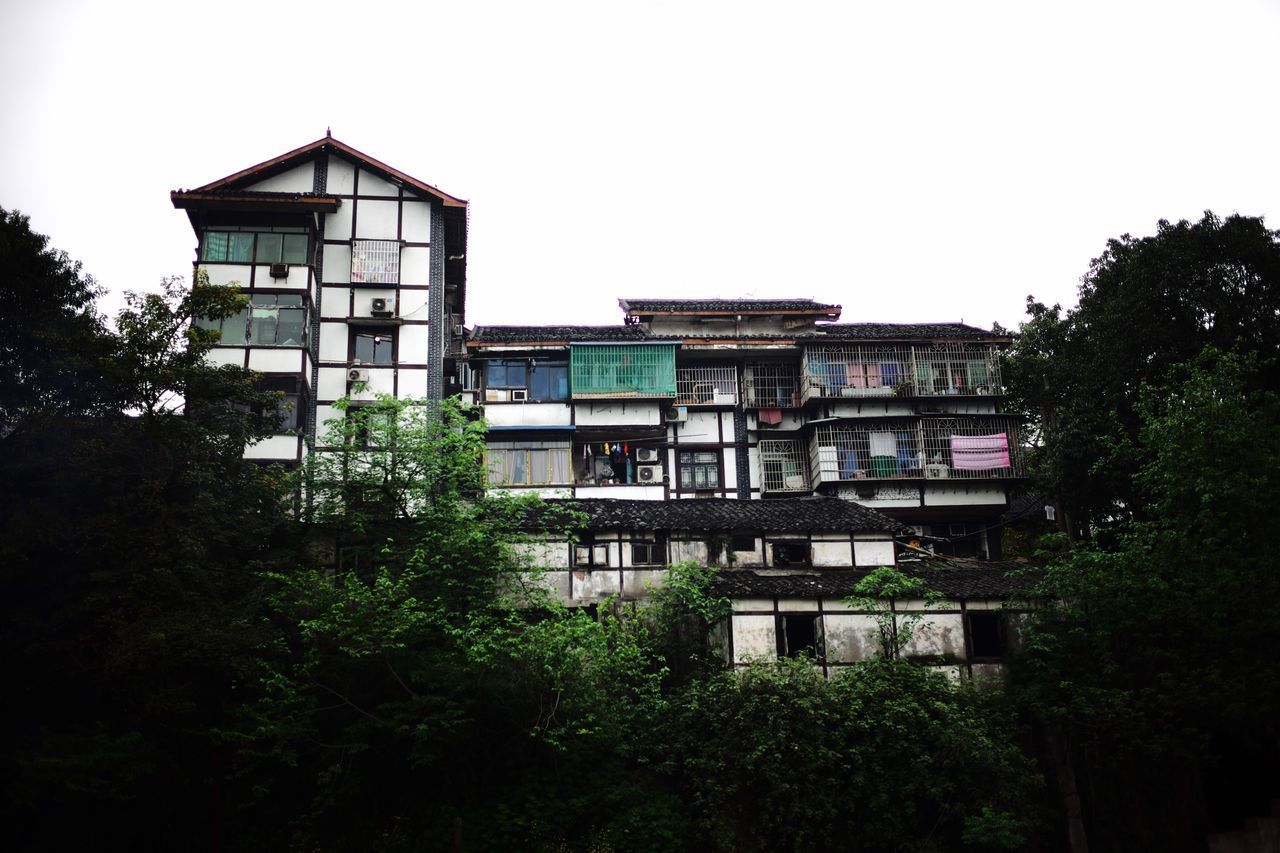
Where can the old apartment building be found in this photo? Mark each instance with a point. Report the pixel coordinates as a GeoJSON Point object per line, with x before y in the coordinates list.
{"type": "Point", "coordinates": [355, 274]}
{"type": "Point", "coordinates": [756, 399]}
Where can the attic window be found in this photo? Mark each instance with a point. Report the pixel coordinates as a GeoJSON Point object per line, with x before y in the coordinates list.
{"type": "Point", "coordinates": [375, 262]}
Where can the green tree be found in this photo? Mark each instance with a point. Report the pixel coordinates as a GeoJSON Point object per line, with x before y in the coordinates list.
{"type": "Point", "coordinates": [1146, 305]}
{"type": "Point", "coordinates": [127, 596]}
{"type": "Point", "coordinates": [52, 338]}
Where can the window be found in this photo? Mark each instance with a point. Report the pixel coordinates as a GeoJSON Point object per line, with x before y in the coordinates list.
{"type": "Point", "coordinates": [532, 464]}
{"type": "Point", "coordinates": [791, 553]}
{"type": "Point", "coordinates": [505, 374]}
{"type": "Point", "coordinates": [549, 380]}
{"type": "Point", "coordinates": [271, 319]}
{"type": "Point", "coordinates": [230, 244]}
{"type": "Point", "coordinates": [986, 633]}
{"type": "Point", "coordinates": [291, 401]}
{"type": "Point", "coordinates": [369, 347]}
{"type": "Point", "coordinates": [652, 552]}
{"type": "Point", "coordinates": [742, 542]}
{"type": "Point", "coordinates": [277, 319]}
{"type": "Point", "coordinates": [699, 469]}
{"type": "Point", "coordinates": [800, 636]}
{"type": "Point", "coordinates": [375, 262]}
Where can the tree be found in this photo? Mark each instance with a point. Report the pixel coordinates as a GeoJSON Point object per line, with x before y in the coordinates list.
{"type": "Point", "coordinates": [1146, 305]}
{"type": "Point", "coordinates": [52, 339]}
{"type": "Point", "coordinates": [126, 562]}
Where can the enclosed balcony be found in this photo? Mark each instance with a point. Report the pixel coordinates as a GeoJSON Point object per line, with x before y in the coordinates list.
{"type": "Point", "coordinates": [928, 448]}
{"type": "Point", "coordinates": [783, 466]}
{"type": "Point", "coordinates": [707, 384]}
{"type": "Point", "coordinates": [901, 371]}
{"type": "Point", "coordinates": [622, 371]}
{"type": "Point", "coordinates": [772, 385]}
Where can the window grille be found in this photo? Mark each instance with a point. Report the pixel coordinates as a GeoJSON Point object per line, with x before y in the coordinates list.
{"type": "Point", "coordinates": [933, 448]}
{"type": "Point", "coordinates": [772, 385]}
{"type": "Point", "coordinates": [706, 385]}
{"type": "Point", "coordinates": [622, 370]}
{"type": "Point", "coordinates": [375, 262]}
{"type": "Point", "coordinates": [971, 448]}
{"type": "Point", "coordinates": [905, 371]}
{"type": "Point", "coordinates": [884, 450]}
{"type": "Point", "coordinates": [953, 369]}
{"type": "Point", "coordinates": [782, 466]}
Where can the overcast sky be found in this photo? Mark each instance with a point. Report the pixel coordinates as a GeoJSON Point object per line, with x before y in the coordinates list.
{"type": "Point", "coordinates": [911, 161]}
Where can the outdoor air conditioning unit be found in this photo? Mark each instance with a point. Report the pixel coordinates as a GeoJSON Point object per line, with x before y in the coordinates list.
{"type": "Point", "coordinates": [279, 270]}
{"type": "Point", "coordinates": [357, 374]}
{"type": "Point", "coordinates": [382, 306]}
{"type": "Point", "coordinates": [519, 395]}
{"type": "Point", "coordinates": [646, 454]}
{"type": "Point", "coordinates": [649, 473]}
{"type": "Point", "coordinates": [676, 414]}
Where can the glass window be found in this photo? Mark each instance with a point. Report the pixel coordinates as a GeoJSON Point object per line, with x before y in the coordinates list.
{"type": "Point", "coordinates": [374, 347]}
{"type": "Point", "coordinates": [699, 469]}
{"type": "Point", "coordinates": [549, 381]}
{"type": "Point", "coordinates": [233, 329]}
{"type": "Point", "coordinates": [263, 245]}
{"type": "Point", "coordinates": [505, 374]}
{"type": "Point", "coordinates": [277, 319]}
{"type": "Point", "coordinates": [527, 466]}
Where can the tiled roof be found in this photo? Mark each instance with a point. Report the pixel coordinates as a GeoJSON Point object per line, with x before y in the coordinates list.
{"type": "Point", "coordinates": [682, 306]}
{"type": "Point", "coordinates": [788, 515]}
{"type": "Point", "coordinates": [823, 333]}
{"type": "Point", "coordinates": [949, 577]}
{"type": "Point", "coordinates": [895, 331]}
{"type": "Point", "coordinates": [547, 334]}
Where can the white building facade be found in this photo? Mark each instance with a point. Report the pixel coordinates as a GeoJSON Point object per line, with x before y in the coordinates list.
{"type": "Point", "coordinates": [355, 275]}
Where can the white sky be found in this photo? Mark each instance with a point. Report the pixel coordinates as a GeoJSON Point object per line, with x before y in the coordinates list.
{"type": "Point", "coordinates": [912, 161]}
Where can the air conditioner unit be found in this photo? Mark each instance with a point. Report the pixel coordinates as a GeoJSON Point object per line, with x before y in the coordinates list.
{"type": "Point", "coordinates": [382, 306]}
{"type": "Point", "coordinates": [357, 374]}
{"type": "Point", "coordinates": [793, 482]}
{"type": "Point", "coordinates": [519, 395]}
{"type": "Point", "coordinates": [646, 454]}
{"type": "Point", "coordinates": [459, 330]}
{"type": "Point", "coordinates": [649, 473]}
{"type": "Point", "coordinates": [676, 414]}
{"type": "Point", "coordinates": [279, 270]}
{"type": "Point", "coordinates": [724, 398]}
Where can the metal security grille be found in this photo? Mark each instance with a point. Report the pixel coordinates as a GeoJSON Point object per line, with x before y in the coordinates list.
{"type": "Point", "coordinates": [931, 448]}
{"type": "Point", "coordinates": [971, 448]}
{"type": "Point", "coordinates": [622, 370]}
{"type": "Point", "coordinates": [885, 450]}
{"type": "Point", "coordinates": [782, 466]}
{"type": "Point", "coordinates": [772, 385]}
{"type": "Point", "coordinates": [707, 385]}
{"type": "Point", "coordinates": [375, 262]}
{"type": "Point", "coordinates": [902, 371]}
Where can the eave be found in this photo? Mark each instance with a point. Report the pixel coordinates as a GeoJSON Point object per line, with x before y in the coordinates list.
{"type": "Point", "coordinates": [253, 201]}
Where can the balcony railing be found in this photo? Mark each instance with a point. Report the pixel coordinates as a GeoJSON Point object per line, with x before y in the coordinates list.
{"type": "Point", "coordinates": [772, 385]}
{"type": "Point", "coordinates": [783, 466]}
{"type": "Point", "coordinates": [707, 385]}
{"type": "Point", "coordinates": [901, 371]}
{"type": "Point", "coordinates": [929, 448]}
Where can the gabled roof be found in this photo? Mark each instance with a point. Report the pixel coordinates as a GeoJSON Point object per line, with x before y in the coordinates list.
{"type": "Point", "coordinates": [951, 578]}
{"type": "Point", "coordinates": [289, 159]}
{"type": "Point", "coordinates": [638, 307]}
{"type": "Point", "coordinates": [547, 335]}
{"type": "Point", "coordinates": [730, 515]}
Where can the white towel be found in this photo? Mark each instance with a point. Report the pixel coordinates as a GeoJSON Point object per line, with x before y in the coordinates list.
{"type": "Point", "coordinates": [884, 444]}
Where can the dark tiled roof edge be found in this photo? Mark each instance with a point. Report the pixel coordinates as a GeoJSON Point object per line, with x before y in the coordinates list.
{"type": "Point", "coordinates": [814, 514]}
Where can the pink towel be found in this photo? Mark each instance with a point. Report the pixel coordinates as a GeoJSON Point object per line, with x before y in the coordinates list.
{"type": "Point", "coordinates": [979, 452]}
{"type": "Point", "coordinates": [771, 416]}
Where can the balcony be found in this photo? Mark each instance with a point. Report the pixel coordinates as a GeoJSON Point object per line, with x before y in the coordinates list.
{"type": "Point", "coordinates": [901, 371]}
{"type": "Point", "coordinates": [703, 384]}
{"type": "Point", "coordinates": [783, 466]}
{"type": "Point", "coordinates": [929, 448]}
{"type": "Point", "coordinates": [772, 385]}
{"type": "Point", "coordinates": [622, 371]}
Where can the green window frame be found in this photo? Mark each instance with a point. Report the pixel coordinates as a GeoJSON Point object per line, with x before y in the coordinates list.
{"type": "Point", "coordinates": [234, 245]}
